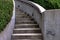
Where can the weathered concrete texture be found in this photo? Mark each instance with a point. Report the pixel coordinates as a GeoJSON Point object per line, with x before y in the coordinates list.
{"type": "Point", "coordinates": [33, 9]}
{"type": "Point", "coordinates": [29, 9]}
{"type": "Point", "coordinates": [6, 34]}
{"type": "Point", "coordinates": [51, 21]}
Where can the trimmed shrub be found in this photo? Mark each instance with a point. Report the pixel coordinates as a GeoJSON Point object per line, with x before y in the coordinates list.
{"type": "Point", "coordinates": [6, 8]}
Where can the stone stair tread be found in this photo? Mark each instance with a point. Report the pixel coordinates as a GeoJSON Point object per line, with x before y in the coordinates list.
{"type": "Point", "coordinates": [20, 12]}
{"type": "Point", "coordinates": [26, 39]}
{"type": "Point", "coordinates": [27, 29]}
{"type": "Point", "coordinates": [25, 24]}
{"type": "Point", "coordinates": [23, 16]}
{"type": "Point", "coordinates": [25, 21]}
{"type": "Point", "coordinates": [19, 19]}
{"type": "Point", "coordinates": [27, 34]}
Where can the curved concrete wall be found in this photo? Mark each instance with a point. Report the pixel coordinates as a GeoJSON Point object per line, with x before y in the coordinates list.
{"type": "Point", "coordinates": [31, 8]}
{"type": "Point", "coordinates": [51, 24]}
{"type": "Point", "coordinates": [6, 34]}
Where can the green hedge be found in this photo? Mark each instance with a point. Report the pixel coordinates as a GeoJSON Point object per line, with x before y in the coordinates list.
{"type": "Point", "coordinates": [6, 7]}
{"type": "Point", "coordinates": [48, 4]}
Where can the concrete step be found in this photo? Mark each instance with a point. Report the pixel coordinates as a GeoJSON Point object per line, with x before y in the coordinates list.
{"type": "Point", "coordinates": [24, 19]}
{"type": "Point", "coordinates": [18, 11]}
{"type": "Point", "coordinates": [26, 26]}
{"type": "Point", "coordinates": [26, 39]}
{"type": "Point", "coordinates": [23, 16]}
{"type": "Point", "coordinates": [25, 22]}
{"type": "Point", "coordinates": [20, 15]}
{"type": "Point", "coordinates": [27, 36]}
{"type": "Point", "coordinates": [27, 30]}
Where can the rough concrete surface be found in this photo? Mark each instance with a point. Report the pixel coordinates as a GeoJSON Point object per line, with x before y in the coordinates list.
{"type": "Point", "coordinates": [51, 23]}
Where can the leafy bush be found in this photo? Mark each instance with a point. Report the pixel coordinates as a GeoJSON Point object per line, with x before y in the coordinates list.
{"type": "Point", "coordinates": [48, 4]}
{"type": "Point", "coordinates": [6, 7]}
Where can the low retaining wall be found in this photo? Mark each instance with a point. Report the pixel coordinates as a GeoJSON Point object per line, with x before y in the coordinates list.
{"type": "Point", "coordinates": [51, 24]}
{"type": "Point", "coordinates": [6, 34]}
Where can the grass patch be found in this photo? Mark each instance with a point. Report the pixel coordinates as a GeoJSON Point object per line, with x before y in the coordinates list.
{"type": "Point", "coordinates": [6, 8]}
{"type": "Point", "coordinates": [48, 4]}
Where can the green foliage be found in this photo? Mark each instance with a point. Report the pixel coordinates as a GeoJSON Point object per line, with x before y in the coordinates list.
{"type": "Point", "coordinates": [6, 7]}
{"type": "Point", "coordinates": [48, 4]}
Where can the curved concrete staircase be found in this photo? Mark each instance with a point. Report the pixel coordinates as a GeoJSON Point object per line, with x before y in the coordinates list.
{"type": "Point", "coordinates": [25, 28]}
